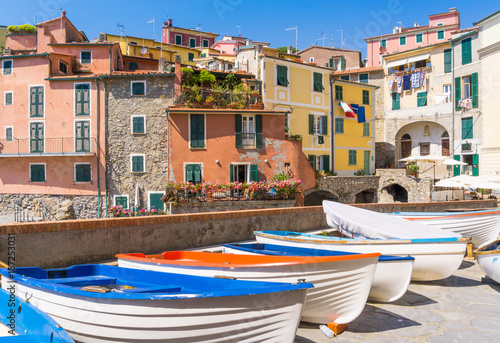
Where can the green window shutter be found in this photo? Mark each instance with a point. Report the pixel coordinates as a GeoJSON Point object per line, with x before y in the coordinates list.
{"type": "Point", "coordinates": [474, 86]}
{"type": "Point", "coordinates": [456, 169]}
{"type": "Point", "coordinates": [155, 202]}
{"type": "Point", "coordinates": [345, 77]}
{"type": "Point", "coordinates": [331, 62]}
{"type": "Point", "coordinates": [311, 124]}
{"type": "Point", "coordinates": [36, 137]}
{"type": "Point", "coordinates": [36, 102]}
{"type": "Point", "coordinates": [137, 164]}
{"type": "Point", "coordinates": [192, 42]}
{"type": "Point", "coordinates": [203, 55]}
{"type": "Point", "coordinates": [419, 38]}
{"type": "Point", "coordinates": [231, 173]}
{"type": "Point", "coordinates": [121, 201]}
{"type": "Point", "coordinates": [238, 128]}
{"type": "Point", "coordinates": [318, 82]}
{"type": "Point", "coordinates": [138, 88]}
{"type": "Point", "coordinates": [338, 93]}
{"type": "Point", "coordinates": [458, 90]}
{"type": "Point", "coordinates": [85, 57]}
{"type": "Point", "coordinates": [352, 157]}
{"type": "Point", "coordinates": [254, 172]}
{"type": "Point", "coordinates": [421, 99]}
{"type": "Point", "coordinates": [82, 100]}
{"type": "Point", "coordinates": [197, 131]}
{"type": "Point", "coordinates": [342, 63]}
{"type": "Point", "coordinates": [383, 43]}
{"type": "Point", "coordinates": [339, 125]}
{"type": "Point", "coordinates": [363, 78]}
{"type": "Point", "coordinates": [366, 97]}
{"type": "Point", "coordinates": [8, 98]}
{"type": "Point", "coordinates": [178, 40]}
{"type": "Point", "coordinates": [282, 75]}
{"type": "Point", "coordinates": [366, 129]}
{"type": "Point", "coordinates": [467, 129]}
{"type": "Point", "coordinates": [197, 173]}
{"type": "Point", "coordinates": [190, 172]}
{"type": "Point", "coordinates": [396, 101]}
{"type": "Point", "coordinates": [287, 121]}
{"type": "Point", "coordinates": [311, 159]}
{"type": "Point", "coordinates": [466, 51]}
{"type": "Point", "coordinates": [447, 61]}
{"type": "Point", "coordinates": [259, 141]}
{"type": "Point", "coordinates": [8, 134]}
{"type": "Point", "coordinates": [440, 35]}
{"type": "Point", "coordinates": [190, 57]}
{"type": "Point", "coordinates": [82, 173]}
{"type": "Point", "coordinates": [475, 165]}
{"type": "Point", "coordinates": [37, 173]}
{"type": "Point", "coordinates": [82, 136]}
{"type": "Point", "coordinates": [324, 125]}
{"type": "Point", "coordinates": [138, 125]}
{"type": "Point", "coordinates": [7, 67]}
{"type": "Point", "coordinates": [402, 40]}
{"type": "Point", "coordinates": [326, 163]}
{"type": "Point", "coordinates": [205, 43]}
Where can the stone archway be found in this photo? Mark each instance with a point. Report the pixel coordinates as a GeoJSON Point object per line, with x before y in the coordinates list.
{"type": "Point", "coordinates": [316, 198]}
{"type": "Point", "coordinates": [394, 193]}
{"type": "Point", "coordinates": [367, 196]}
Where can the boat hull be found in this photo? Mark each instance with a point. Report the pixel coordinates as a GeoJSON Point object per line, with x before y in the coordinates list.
{"type": "Point", "coordinates": [267, 317]}
{"type": "Point", "coordinates": [488, 258]}
{"type": "Point", "coordinates": [434, 260]}
{"type": "Point", "coordinates": [482, 226]}
{"type": "Point", "coordinates": [340, 287]}
{"type": "Point", "coordinates": [390, 282]}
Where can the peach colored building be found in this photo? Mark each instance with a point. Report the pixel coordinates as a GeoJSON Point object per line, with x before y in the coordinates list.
{"type": "Point", "coordinates": [401, 39]}
{"type": "Point", "coordinates": [51, 120]}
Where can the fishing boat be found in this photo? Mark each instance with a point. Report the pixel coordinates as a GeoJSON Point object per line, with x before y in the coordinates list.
{"type": "Point", "coordinates": [341, 283]}
{"type": "Point", "coordinates": [435, 258]}
{"type": "Point", "coordinates": [22, 322]}
{"type": "Point", "coordinates": [481, 226]}
{"type": "Point", "coordinates": [488, 258]}
{"type": "Point", "coordinates": [390, 282]}
{"type": "Point", "coordinates": [100, 303]}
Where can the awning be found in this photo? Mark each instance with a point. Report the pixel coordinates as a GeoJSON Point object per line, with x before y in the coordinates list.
{"type": "Point", "coordinates": [405, 61]}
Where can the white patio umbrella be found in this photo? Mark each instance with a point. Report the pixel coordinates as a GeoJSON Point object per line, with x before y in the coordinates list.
{"type": "Point", "coordinates": [136, 198]}
{"type": "Point", "coordinates": [448, 183]}
{"type": "Point", "coordinates": [486, 185]}
{"type": "Point", "coordinates": [452, 162]}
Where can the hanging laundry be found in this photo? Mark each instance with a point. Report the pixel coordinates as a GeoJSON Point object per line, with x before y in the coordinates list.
{"type": "Point", "coordinates": [415, 80]}
{"type": "Point", "coordinates": [406, 82]}
{"type": "Point", "coordinates": [422, 78]}
{"type": "Point", "coordinates": [390, 84]}
{"type": "Point", "coordinates": [361, 114]}
{"type": "Point", "coordinates": [400, 84]}
{"type": "Point", "coordinates": [349, 112]}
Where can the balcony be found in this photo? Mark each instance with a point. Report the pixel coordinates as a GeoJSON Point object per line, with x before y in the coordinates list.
{"type": "Point", "coordinates": [66, 146]}
{"type": "Point", "coordinates": [196, 97]}
{"type": "Point", "coordinates": [248, 140]}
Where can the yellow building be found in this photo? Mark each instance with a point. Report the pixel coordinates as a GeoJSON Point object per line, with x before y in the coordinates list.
{"type": "Point", "coordinates": [354, 137]}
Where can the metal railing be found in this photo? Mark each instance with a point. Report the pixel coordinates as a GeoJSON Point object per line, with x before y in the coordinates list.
{"type": "Point", "coordinates": [228, 195]}
{"type": "Point", "coordinates": [47, 215]}
{"type": "Point", "coordinates": [21, 215]}
{"type": "Point", "coordinates": [248, 140]}
{"type": "Point", "coordinates": [48, 146]}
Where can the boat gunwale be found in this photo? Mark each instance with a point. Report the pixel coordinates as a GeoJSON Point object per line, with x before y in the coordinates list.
{"type": "Point", "coordinates": [454, 215]}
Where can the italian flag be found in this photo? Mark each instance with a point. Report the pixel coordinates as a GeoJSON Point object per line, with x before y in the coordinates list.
{"type": "Point", "coordinates": [349, 112]}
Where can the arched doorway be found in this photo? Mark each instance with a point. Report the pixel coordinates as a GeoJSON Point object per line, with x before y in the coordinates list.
{"type": "Point", "coordinates": [394, 193]}
{"type": "Point", "coordinates": [445, 144]}
{"type": "Point", "coordinates": [405, 145]}
{"type": "Point", "coordinates": [316, 198]}
{"type": "Point", "coordinates": [365, 197]}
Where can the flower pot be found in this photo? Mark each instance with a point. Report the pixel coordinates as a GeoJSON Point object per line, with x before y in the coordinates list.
{"type": "Point", "coordinates": [257, 106]}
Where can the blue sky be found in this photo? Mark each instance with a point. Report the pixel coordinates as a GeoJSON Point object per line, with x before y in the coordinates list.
{"type": "Point", "coordinates": [258, 19]}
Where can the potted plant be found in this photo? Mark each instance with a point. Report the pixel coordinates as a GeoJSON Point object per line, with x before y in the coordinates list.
{"type": "Point", "coordinates": [207, 79]}
{"type": "Point", "coordinates": [26, 28]}
{"type": "Point", "coordinates": [255, 94]}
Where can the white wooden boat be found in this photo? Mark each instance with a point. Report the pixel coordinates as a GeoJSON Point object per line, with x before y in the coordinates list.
{"type": "Point", "coordinates": [390, 282]}
{"type": "Point", "coordinates": [488, 258]}
{"type": "Point", "coordinates": [341, 283]}
{"type": "Point", "coordinates": [22, 322]}
{"type": "Point", "coordinates": [435, 258]}
{"type": "Point", "coordinates": [481, 226]}
{"type": "Point", "coordinates": [99, 303]}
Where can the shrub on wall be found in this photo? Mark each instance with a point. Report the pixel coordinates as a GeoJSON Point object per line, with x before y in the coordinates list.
{"type": "Point", "coordinates": [26, 28]}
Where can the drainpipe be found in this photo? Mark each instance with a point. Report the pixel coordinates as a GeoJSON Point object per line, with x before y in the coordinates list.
{"type": "Point", "coordinates": [98, 151]}
{"type": "Point", "coordinates": [105, 165]}
{"type": "Point", "coordinates": [332, 124]}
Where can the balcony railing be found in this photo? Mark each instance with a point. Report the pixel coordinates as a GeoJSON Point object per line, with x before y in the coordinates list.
{"type": "Point", "coordinates": [65, 146]}
{"type": "Point", "coordinates": [248, 140]}
{"type": "Point", "coordinates": [197, 97]}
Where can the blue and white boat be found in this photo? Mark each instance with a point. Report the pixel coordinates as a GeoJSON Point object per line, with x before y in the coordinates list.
{"type": "Point", "coordinates": [390, 282]}
{"type": "Point", "coordinates": [22, 322]}
{"type": "Point", "coordinates": [100, 303]}
{"type": "Point", "coordinates": [488, 258]}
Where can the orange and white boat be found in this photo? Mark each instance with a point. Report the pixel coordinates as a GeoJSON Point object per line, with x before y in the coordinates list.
{"type": "Point", "coordinates": [341, 283]}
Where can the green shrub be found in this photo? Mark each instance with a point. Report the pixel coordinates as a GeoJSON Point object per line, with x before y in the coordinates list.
{"type": "Point", "coordinates": [22, 28]}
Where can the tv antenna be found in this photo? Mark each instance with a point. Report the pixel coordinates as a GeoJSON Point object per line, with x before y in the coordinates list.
{"type": "Point", "coordinates": [239, 29]}
{"type": "Point", "coordinates": [342, 40]}
{"type": "Point", "coordinates": [331, 39]}
{"type": "Point", "coordinates": [296, 36]}
{"type": "Point", "coordinates": [121, 29]}
{"type": "Point", "coordinates": [59, 9]}
{"type": "Point", "coordinates": [323, 39]}
{"type": "Point", "coordinates": [153, 21]}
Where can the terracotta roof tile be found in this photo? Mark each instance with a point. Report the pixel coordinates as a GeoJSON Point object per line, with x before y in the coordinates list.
{"type": "Point", "coordinates": [359, 70]}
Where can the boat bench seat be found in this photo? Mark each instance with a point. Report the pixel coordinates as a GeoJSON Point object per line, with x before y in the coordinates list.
{"type": "Point", "coordinates": [94, 280]}
{"type": "Point", "coordinates": [160, 289]}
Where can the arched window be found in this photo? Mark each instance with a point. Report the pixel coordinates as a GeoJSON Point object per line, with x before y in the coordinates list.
{"type": "Point", "coordinates": [405, 145]}
{"type": "Point", "coordinates": [445, 144]}
{"type": "Point", "coordinates": [133, 66]}
{"type": "Point", "coordinates": [427, 130]}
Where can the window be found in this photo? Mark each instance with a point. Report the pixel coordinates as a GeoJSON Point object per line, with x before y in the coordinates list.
{"type": "Point", "coordinates": [9, 133]}
{"type": "Point", "coordinates": [178, 39]}
{"type": "Point", "coordinates": [197, 131]}
{"type": "Point", "coordinates": [155, 202]}
{"type": "Point", "coordinates": [363, 78]}
{"type": "Point", "coordinates": [395, 101]}
{"type": "Point", "coordinates": [7, 67]}
{"type": "Point", "coordinates": [474, 90]}
{"type": "Point", "coordinates": [82, 99]}
{"type": "Point", "coordinates": [318, 82]}
{"type": "Point", "coordinates": [121, 200]}
{"type": "Point", "coordinates": [421, 99]}
{"type": "Point", "coordinates": [352, 158]}
{"type": "Point", "coordinates": [190, 57]}
{"type": "Point", "coordinates": [138, 124]}
{"type": "Point", "coordinates": [37, 172]}
{"type": "Point", "coordinates": [440, 24]}
{"type": "Point", "coordinates": [243, 172]}
{"type": "Point", "coordinates": [63, 67]}
{"type": "Point", "coordinates": [311, 59]}
{"type": "Point", "coordinates": [36, 137]}
{"type": "Point", "coordinates": [440, 35]}
{"type": "Point", "coordinates": [366, 129]}
{"type": "Point", "coordinates": [36, 101]}
{"type": "Point", "coordinates": [282, 76]}
{"type": "Point", "coordinates": [366, 97]}
{"type": "Point", "coordinates": [320, 162]}
{"type": "Point", "coordinates": [345, 77]}
{"type": "Point", "coordinates": [137, 87]}
{"type": "Point", "coordinates": [402, 40]}
{"type": "Point", "coordinates": [339, 125]}
{"type": "Point", "coordinates": [85, 57]}
{"type": "Point", "coordinates": [192, 42]}
{"type": "Point", "coordinates": [8, 98]}
{"type": "Point", "coordinates": [82, 136]}
{"type": "Point", "coordinates": [466, 87]}
{"type": "Point", "coordinates": [318, 125]}
{"type": "Point", "coordinates": [466, 51]}
{"type": "Point", "coordinates": [83, 172]}
{"type": "Point", "coordinates": [133, 66]}
{"type": "Point", "coordinates": [445, 144]}
{"type": "Point", "coordinates": [137, 163]}
{"type": "Point", "coordinates": [383, 42]}
{"type": "Point", "coordinates": [467, 131]}
{"type": "Point", "coordinates": [193, 173]}
{"type": "Point", "coordinates": [418, 38]}
{"type": "Point", "coordinates": [203, 55]}
{"type": "Point", "coordinates": [338, 63]}
{"type": "Point", "coordinates": [205, 43]}
{"type": "Point", "coordinates": [248, 132]}
{"type": "Point", "coordinates": [338, 93]}
{"type": "Point", "coordinates": [447, 91]}
{"type": "Point", "coordinates": [425, 149]}
{"type": "Point", "coordinates": [447, 61]}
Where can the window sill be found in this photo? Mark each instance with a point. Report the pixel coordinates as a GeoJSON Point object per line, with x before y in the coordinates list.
{"type": "Point", "coordinates": [138, 172]}
{"type": "Point", "coordinates": [138, 133]}
{"type": "Point", "coordinates": [137, 95]}
{"type": "Point", "coordinates": [83, 182]}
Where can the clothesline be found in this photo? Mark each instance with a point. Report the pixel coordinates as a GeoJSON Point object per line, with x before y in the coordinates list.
{"type": "Point", "coordinates": [407, 82]}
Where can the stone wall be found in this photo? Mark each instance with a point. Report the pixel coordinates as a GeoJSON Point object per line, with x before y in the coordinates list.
{"type": "Point", "coordinates": [345, 188]}
{"type": "Point", "coordinates": [121, 143]}
{"type": "Point", "coordinates": [221, 206]}
{"type": "Point", "coordinates": [418, 190]}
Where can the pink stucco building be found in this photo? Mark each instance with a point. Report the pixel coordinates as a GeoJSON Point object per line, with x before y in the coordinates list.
{"type": "Point", "coordinates": [187, 37]}
{"type": "Point", "coordinates": [401, 39]}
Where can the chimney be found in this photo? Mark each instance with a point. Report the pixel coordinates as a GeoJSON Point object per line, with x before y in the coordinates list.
{"type": "Point", "coordinates": [247, 42]}
{"type": "Point", "coordinates": [177, 82]}
{"type": "Point", "coordinates": [289, 49]}
{"type": "Point", "coordinates": [414, 24]}
{"type": "Point", "coordinates": [394, 29]}
{"type": "Point", "coordinates": [400, 28]}
{"type": "Point", "coordinates": [452, 9]}
{"type": "Point", "coordinates": [63, 13]}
